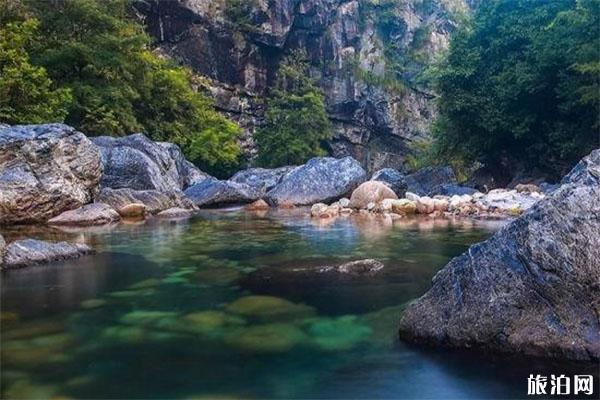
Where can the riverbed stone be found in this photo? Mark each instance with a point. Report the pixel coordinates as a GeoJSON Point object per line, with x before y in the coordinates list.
{"type": "Point", "coordinates": [153, 200]}
{"type": "Point", "coordinates": [261, 179]}
{"type": "Point", "coordinates": [361, 267]}
{"type": "Point", "coordinates": [212, 192]}
{"type": "Point", "coordinates": [392, 178]}
{"type": "Point", "coordinates": [174, 212]}
{"type": "Point", "coordinates": [531, 289]}
{"type": "Point", "coordinates": [321, 179]}
{"type": "Point", "coordinates": [45, 170]}
{"type": "Point", "coordinates": [138, 163]}
{"type": "Point", "coordinates": [258, 205]}
{"type": "Point", "coordinates": [425, 205]}
{"type": "Point", "coordinates": [268, 307]}
{"type": "Point", "coordinates": [424, 181]}
{"type": "Point", "coordinates": [88, 215]}
{"type": "Point", "coordinates": [370, 192]}
{"type": "Point", "coordinates": [133, 210]}
{"type": "Point", "coordinates": [404, 207]}
{"type": "Point", "coordinates": [267, 338]}
{"type": "Point", "coordinates": [23, 253]}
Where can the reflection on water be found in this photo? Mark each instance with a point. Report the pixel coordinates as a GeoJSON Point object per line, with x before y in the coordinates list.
{"type": "Point", "coordinates": [211, 307]}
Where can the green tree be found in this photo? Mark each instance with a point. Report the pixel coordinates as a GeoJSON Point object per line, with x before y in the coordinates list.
{"type": "Point", "coordinates": [296, 123]}
{"type": "Point", "coordinates": [96, 51]}
{"type": "Point", "coordinates": [27, 95]}
{"type": "Point", "coordinates": [520, 85]}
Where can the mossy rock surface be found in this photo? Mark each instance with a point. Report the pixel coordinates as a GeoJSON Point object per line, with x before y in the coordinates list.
{"type": "Point", "coordinates": [267, 338]}
{"type": "Point", "coordinates": [269, 307]}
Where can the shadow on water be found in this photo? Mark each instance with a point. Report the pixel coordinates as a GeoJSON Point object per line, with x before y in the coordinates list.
{"type": "Point", "coordinates": [214, 307]}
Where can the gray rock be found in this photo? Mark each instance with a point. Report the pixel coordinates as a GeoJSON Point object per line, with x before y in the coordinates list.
{"type": "Point", "coordinates": [393, 178]}
{"type": "Point", "coordinates": [533, 288]}
{"type": "Point", "coordinates": [90, 214]}
{"type": "Point", "coordinates": [174, 213]}
{"type": "Point", "coordinates": [261, 179]}
{"type": "Point", "coordinates": [361, 267]}
{"type": "Point", "coordinates": [154, 200]}
{"type": "Point", "coordinates": [2, 250]}
{"type": "Point", "coordinates": [586, 172]}
{"type": "Point", "coordinates": [451, 189]}
{"type": "Point", "coordinates": [23, 253]}
{"type": "Point", "coordinates": [321, 179]}
{"type": "Point", "coordinates": [136, 162]}
{"type": "Point", "coordinates": [45, 170]}
{"type": "Point", "coordinates": [426, 179]}
{"type": "Point", "coordinates": [212, 192]}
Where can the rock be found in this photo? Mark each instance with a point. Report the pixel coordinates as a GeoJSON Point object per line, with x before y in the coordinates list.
{"type": "Point", "coordinates": [548, 188]}
{"type": "Point", "coordinates": [504, 201]}
{"type": "Point", "coordinates": [404, 207]}
{"type": "Point", "coordinates": [411, 196]}
{"type": "Point", "coordinates": [45, 170]}
{"type": "Point", "coordinates": [426, 179]}
{"type": "Point", "coordinates": [317, 209]}
{"type": "Point", "coordinates": [258, 205]}
{"type": "Point", "coordinates": [393, 178]}
{"type": "Point", "coordinates": [425, 205]}
{"type": "Point", "coordinates": [451, 189]}
{"type": "Point", "coordinates": [344, 202]}
{"type": "Point", "coordinates": [321, 179]}
{"type": "Point", "coordinates": [212, 192]}
{"type": "Point", "coordinates": [88, 215]}
{"type": "Point", "coordinates": [532, 288]}
{"type": "Point", "coordinates": [136, 162]}
{"type": "Point", "coordinates": [2, 250]}
{"type": "Point", "coordinates": [586, 172]}
{"type": "Point", "coordinates": [387, 205]}
{"type": "Point", "coordinates": [23, 253]}
{"type": "Point", "coordinates": [269, 308]}
{"type": "Point", "coordinates": [441, 205]}
{"type": "Point", "coordinates": [174, 212]}
{"type": "Point", "coordinates": [261, 179]}
{"type": "Point", "coordinates": [361, 267]}
{"type": "Point", "coordinates": [526, 188]}
{"type": "Point", "coordinates": [154, 200]}
{"type": "Point", "coordinates": [370, 192]}
{"type": "Point", "coordinates": [133, 210]}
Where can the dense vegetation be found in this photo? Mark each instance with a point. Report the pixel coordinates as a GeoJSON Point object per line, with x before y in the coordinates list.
{"type": "Point", "coordinates": [85, 62]}
{"type": "Point", "coordinates": [520, 86]}
{"type": "Point", "coordinates": [296, 123]}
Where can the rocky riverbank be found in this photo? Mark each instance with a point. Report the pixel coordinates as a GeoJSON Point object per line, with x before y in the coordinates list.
{"type": "Point", "coordinates": [533, 288]}
{"type": "Point", "coordinates": [55, 175]}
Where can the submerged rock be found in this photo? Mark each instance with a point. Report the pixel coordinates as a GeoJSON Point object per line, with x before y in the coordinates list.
{"type": "Point", "coordinates": [370, 192]}
{"type": "Point", "coordinates": [212, 191]}
{"type": "Point", "coordinates": [45, 170]}
{"type": "Point", "coordinates": [137, 162]}
{"type": "Point", "coordinates": [361, 267]}
{"type": "Point", "coordinates": [22, 253]}
{"type": "Point", "coordinates": [532, 288]}
{"type": "Point", "coordinates": [267, 338]}
{"type": "Point", "coordinates": [425, 180]}
{"type": "Point", "coordinates": [90, 214]}
{"type": "Point", "coordinates": [334, 334]}
{"type": "Point", "coordinates": [153, 200]}
{"type": "Point", "coordinates": [321, 179]}
{"type": "Point", "coordinates": [269, 307]}
{"type": "Point", "coordinates": [392, 178]}
{"type": "Point", "coordinates": [261, 179]}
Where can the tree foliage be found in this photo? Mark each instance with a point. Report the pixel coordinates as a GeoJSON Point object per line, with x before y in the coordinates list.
{"type": "Point", "coordinates": [296, 123]}
{"type": "Point", "coordinates": [96, 52]}
{"type": "Point", "coordinates": [26, 92]}
{"type": "Point", "coordinates": [521, 84]}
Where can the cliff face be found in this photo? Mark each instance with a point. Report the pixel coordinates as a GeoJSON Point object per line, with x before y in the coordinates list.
{"type": "Point", "coordinates": [366, 55]}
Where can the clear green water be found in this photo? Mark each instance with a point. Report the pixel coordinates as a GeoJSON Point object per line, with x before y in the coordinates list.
{"type": "Point", "coordinates": [212, 308]}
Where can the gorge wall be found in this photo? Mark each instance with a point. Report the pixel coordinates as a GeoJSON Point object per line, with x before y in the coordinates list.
{"type": "Point", "coordinates": [367, 56]}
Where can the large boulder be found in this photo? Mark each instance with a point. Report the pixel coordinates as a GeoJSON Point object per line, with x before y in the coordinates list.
{"type": "Point", "coordinates": [533, 288]}
{"type": "Point", "coordinates": [154, 200]}
{"type": "Point", "coordinates": [451, 189]}
{"type": "Point", "coordinates": [261, 179]}
{"type": "Point", "coordinates": [23, 253]}
{"type": "Point", "coordinates": [212, 191]}
{"type": "Point", "coordinates": [371, 192]}
{"type": "Point", "coordinates": [321, 179]}
{"type": "Point", "coordinates": [88, 215]}
{"type": "Point", "coordinates": [392, 178]}
{"type": "Point", "coordinates": [136, 162]}
{"type": "Point", "coordinates": [424, 181]}
{"type": "Point", "coordinates": [45, 170]}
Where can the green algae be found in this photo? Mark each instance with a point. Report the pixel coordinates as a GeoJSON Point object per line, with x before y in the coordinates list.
{"type": "Point", "coordinates": [93, 303]}
{"type": "Point", "coordinates": [123, 294]}
{"type": "Point", "coordinates": [269, 307]}
{"type": "Point", "coordinates": [145, 317]}
{"type": "Point", "coordinates": [334, 334]}
{"type": "Point", "coordinates": [146, 283]}
{"type": "Point", "coordinates": [218, 276]}
{"type": "Point", "coordinates": [267, 338]}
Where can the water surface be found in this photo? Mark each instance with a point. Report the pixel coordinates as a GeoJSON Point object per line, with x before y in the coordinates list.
{"type": "Point", "coordinates": [216, 307]}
